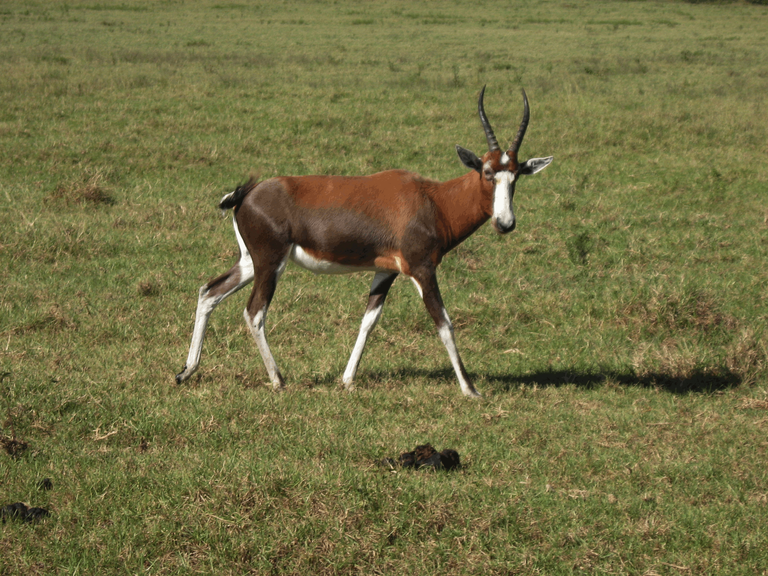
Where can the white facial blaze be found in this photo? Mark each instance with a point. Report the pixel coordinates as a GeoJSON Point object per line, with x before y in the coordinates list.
{"type": "Point", "coordinates": [502, 200]}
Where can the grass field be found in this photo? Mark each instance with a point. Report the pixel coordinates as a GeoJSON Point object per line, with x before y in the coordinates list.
{"type": "Point", "coordinates": [618, 335]}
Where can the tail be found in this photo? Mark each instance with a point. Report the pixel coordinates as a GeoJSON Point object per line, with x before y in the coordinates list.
{"type": "Point", "coordinates": [234, 199]}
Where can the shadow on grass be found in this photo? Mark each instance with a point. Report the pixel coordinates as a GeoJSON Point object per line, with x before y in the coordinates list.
{"type": "Point", "coordinates": [698, 381]}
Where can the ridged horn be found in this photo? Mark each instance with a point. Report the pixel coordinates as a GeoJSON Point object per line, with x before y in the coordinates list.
{"type": "Point", "coordinates": [523, 125]}
{"type": "Point", "coordinates": [493, 144]}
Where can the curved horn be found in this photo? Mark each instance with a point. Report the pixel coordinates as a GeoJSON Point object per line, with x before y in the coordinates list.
{"type": "Point", "coordinates": [523, 125]}
{"type": "Point", "coordinates": [493, 144]}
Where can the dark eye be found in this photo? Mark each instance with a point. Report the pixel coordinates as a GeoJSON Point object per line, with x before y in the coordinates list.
{"type": "Point", "coordinates": [488, 173]}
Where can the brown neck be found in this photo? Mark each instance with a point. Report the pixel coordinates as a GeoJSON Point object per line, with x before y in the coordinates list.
{"type": "Point", "coordinates": [464, 203]}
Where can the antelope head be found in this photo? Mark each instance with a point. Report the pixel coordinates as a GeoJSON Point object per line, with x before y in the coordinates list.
{"type": "Point", "coordinates": [501, 170]}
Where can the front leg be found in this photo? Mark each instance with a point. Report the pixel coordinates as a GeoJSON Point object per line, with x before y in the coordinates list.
{"type": "Point", "coordinates": [430, 293]}
{"type": "Point", "coordinates": [380, 286]}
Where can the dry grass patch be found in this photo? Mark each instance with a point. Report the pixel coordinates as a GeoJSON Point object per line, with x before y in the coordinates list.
{"type": "Point", "coordinates": [747, 356]}
{"type": "Point", "coordinates": [91, 188]}
{"type": "Point", "coordinates": [676, 310]}
{"type": "Point", "coordinates": [754, 404]}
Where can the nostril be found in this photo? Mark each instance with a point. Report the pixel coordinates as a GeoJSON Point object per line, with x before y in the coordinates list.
{"type": "Point", "coordinates": [504, 228]}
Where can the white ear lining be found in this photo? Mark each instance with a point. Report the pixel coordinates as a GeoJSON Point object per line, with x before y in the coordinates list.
{"type": "Point", "coordinates": [535, 165]}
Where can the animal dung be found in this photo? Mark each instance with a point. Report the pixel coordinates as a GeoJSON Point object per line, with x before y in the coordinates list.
{"type": "Point", "coordinates": [15, 448]}
{"type": "Point", "coordinates": [425, 456]}
{"type": "Point", "coordinates": [45, 484]}
{"type": "Point", "coordinates": [20, 511]}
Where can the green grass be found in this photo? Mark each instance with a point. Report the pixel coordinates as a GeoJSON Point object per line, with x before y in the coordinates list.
{"type": "Point", "coordinates": [618, 336]}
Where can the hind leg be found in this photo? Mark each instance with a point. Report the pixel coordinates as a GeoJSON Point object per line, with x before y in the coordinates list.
{"type": "Point", "coordinates": [255, 315]}
{"type": "Point", "coordinates": [211, 295]}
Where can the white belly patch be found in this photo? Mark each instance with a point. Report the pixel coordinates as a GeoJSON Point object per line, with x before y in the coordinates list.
{"type": "Point", "coordinates": [309, 262]}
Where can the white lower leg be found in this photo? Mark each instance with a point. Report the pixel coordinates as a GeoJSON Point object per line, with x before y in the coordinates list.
{"type": "Point", "coordinates": [256, 325]}
{"type": "Point", "coordinates": [370, 319]}
{"type": "Point", "coordinates": [446, 335]}
{"type": "Point", "coordinates": [205, 306]}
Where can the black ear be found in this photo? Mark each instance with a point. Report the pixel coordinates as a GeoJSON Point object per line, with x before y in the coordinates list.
{"type": "Point", "coordinates": [469, 159]}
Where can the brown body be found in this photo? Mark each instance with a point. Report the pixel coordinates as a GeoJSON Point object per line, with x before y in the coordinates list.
{"type": "Point", "coordinates": [361, 222]}
{"type": "Point", "coordinates": [393, 222]}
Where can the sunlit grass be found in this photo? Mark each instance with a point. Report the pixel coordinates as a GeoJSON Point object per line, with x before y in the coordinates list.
{"type": "Point", "coordinates": [618, 336]}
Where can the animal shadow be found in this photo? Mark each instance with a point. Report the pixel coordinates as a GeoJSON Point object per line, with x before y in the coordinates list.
{"type": "Point", "coordinates": [698, 381]}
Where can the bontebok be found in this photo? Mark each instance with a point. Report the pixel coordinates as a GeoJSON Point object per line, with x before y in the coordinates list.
{"type": "Point", "coordinates": [390, 223]}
